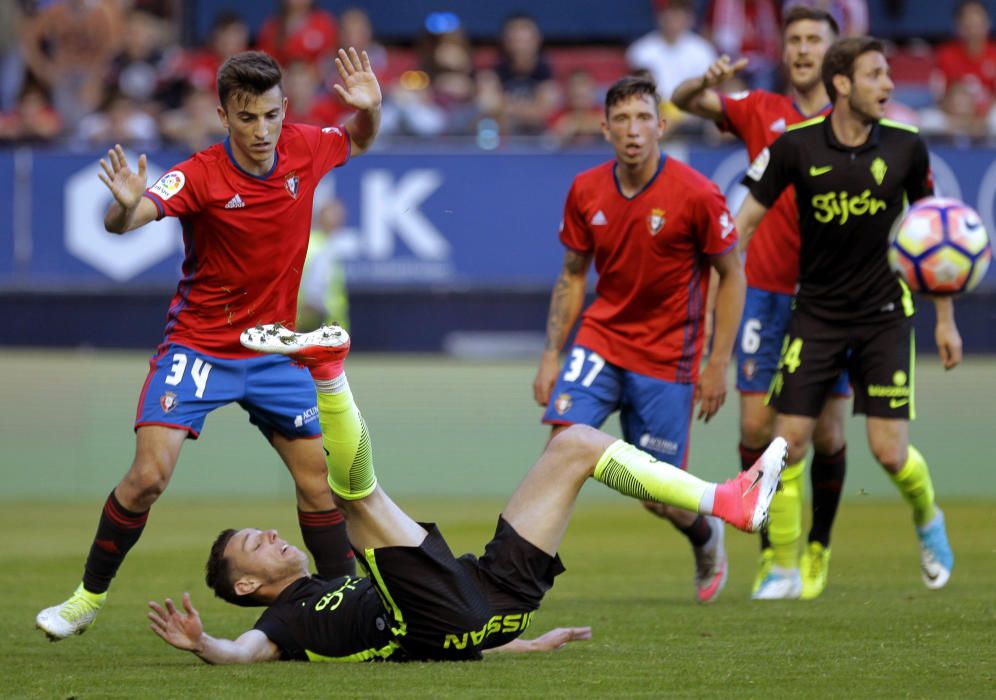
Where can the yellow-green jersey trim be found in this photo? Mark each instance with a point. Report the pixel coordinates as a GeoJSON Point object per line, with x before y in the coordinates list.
{"type": "Point", "coordinates": [370, 562]}
{"type": "Point", "coordinates": [366, 655]}
{"type": "Point", "coordinates": [808, 122]}
{"type": "Point", "coordinates": [899, 125]}
{"type": "Point", "coordinates": [912, 374]}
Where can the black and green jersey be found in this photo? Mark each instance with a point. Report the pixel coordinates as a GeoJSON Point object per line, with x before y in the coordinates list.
{"type": "Point", "coordinates": [314, 619]}
{"type": "Point", "coordinates": [848, 200]}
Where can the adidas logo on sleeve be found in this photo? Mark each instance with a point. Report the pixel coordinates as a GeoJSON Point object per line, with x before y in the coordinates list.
{"type": "Point", "coordinates": [599, 219]}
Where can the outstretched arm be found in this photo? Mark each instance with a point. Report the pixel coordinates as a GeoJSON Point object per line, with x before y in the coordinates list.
{"type": "Point", "coordinates": [130, 209]}
{"type": "Point", "coordinates": [565, 305]}
{"type": "Point", "coordinates": [360, 90]}
{"type": "Point", "coordinates": [185, 631]}
{"type": "Point", "coordinates": [946, 333]}
{"type": "Point", "coordinates": [698, 96]}
{"type": "Point", "coordinates": [554, 639]}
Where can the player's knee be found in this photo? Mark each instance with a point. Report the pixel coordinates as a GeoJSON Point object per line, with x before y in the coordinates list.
{"type": "Point", "coordinates": [890, 454]}
{"type": "Point", "coordinates": [828, 438]}
{"type": "Point", "coordinates": [579, 445]}
{"type": "Point", "coordinates": [147, 479]}
{"type": "Point", "coordinates": [756, 431]}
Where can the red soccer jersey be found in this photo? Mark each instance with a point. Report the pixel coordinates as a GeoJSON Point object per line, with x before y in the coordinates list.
{"type": "Point", "coordinates": [757, 118]}
{"type": "Point", "coordinates": [245, 237]}
{"type": "Point", "coordinates": [651, 254]}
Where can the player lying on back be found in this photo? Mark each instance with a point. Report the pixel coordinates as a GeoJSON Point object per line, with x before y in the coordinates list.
{"type": "Point", "coordinates": [420, 602]}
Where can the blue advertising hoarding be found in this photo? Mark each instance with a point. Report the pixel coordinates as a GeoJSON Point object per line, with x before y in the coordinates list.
{"type": "Point", "coordinates": [444, 221]}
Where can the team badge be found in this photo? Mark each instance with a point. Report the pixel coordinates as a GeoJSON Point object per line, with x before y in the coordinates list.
{"type": "Point", "coordinates": [656, 221]}
{"type": "Point", "coordinates": [563, 403]}
{"type": "Point", "coordinates": [291, 182]}
{"type": "Point", "coordinates": [760, 164]}
{"type": "Point", "coordinates": [169, 184]}
{"type": "Point", "coordinates": [878, 168]}
{"type": "Point", "coordinates": [168, 401]}
{"type": "Point", "coordinates": [749, 369]}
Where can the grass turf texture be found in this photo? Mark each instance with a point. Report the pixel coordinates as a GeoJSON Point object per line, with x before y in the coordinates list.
{"type": "Point", "coordinates": [465, 433]}
{"type": "Point", "coordinates": [876, 632]}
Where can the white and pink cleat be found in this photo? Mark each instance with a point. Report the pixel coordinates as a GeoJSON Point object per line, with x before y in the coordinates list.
{"type": "Point", "coordinates": [327, 346]}
{"type": "Point", "coordinates": [743, 502]}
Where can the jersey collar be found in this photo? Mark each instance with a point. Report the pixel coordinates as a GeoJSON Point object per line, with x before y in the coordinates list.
{"type": "Point", "coordinates": [231, 157]}
{"type": "Point", "coordinates": [615, 178]}
{"type": "Point", "coordinates": [832, 141]}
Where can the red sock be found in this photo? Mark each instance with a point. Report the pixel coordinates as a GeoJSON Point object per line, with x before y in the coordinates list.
{"type": "Point", "coordinates": [326, 371]}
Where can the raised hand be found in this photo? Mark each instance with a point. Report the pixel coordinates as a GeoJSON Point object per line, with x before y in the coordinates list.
{"type": "Point", "coordinates": [183, 631]}
{"type": "Point", "coordinates": [126, 185]}
{"type": "Point", "coordinates": [722, 70]}
{"type": "Point", "coordinates": [359, 88]}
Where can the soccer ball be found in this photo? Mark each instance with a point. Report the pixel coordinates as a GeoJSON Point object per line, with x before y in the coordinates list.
{"type": "Point", "coordinates": [940, 247]}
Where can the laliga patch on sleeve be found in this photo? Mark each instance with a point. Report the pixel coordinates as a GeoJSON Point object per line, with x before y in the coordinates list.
{"type": "Point", "coordinates": [169, 184]}
{"type": "Point", "coordinates": [332, 130]}
{"type": "Point", "coordinates": [760, 164]}
{"type": "Point", "coordinates": [738, 95]}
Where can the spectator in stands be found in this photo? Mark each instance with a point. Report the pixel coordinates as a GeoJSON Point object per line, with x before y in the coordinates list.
{"type": "Point", "coordinates": [307, 102]}
{"type": "Point", "coordinates": [68, 47]}
{"type": "Point", "coordinates": [674, 52]}
{"type": "Point", "coordinates": [969, 59]}
{"type": "Point", "coordinates": [958, 116]}
{"type": "Point", "coordinates": [579, 123]}
{"type": "Point", "coordinates": [355, 30]}
{"type": "Point", "coordinates": [11, 61]}
{"type": "Point", "coordinates": [33, 119]}
{"type": "Point", "coordinates": [748, 29]}
{"type": "Point", "coordinates": [194, 125]}
{"type": "Point", "coordinates": [195, 69]}
{"type": "Point", "coordinates": [138, 70]}
{"type": "Point", "coordinates": [120, 120]}
{"type": "Point", "coordinates": [528, 90]}
{"type": "Point", "coordinates": [851, 15]}
{"type": "Point", "coordinates": [300, 32]}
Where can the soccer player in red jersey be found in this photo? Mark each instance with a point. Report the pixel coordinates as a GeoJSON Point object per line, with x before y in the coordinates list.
{"type": "Point", "coordinates": [759, 117]}
{"type": "Point", "coordinates": [654, 229]}
{"type": "Point", "coordinates": [245, 206]}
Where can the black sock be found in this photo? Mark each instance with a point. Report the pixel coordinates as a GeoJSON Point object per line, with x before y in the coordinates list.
{"type": "Point", "coordinates": [325, 537]}
{"type": "Point", "coordinates": [699, 532]}
{"type": "Point", "coordinates": [117, 532]}
{"type": "Point", "coordinates": [827, 479]}
{"type": "Point", "coordinates": [749, 455]}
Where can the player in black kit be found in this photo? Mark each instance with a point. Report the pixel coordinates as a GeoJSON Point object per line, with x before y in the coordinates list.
{"type": "Point", "coordinates": [420, 602]}
{"type": "Point", "coordinates": [853, 173]}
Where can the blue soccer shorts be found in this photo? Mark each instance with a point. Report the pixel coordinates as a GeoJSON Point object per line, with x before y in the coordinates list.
{"type": "Point", "coordinates": [655, 415]}
{"type": "Point", "coordinates": [759, 342]}
{"type": "Point", "coordinates": [185, 385]}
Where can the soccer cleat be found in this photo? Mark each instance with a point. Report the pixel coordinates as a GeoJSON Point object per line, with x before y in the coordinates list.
{"type": "Point", "coordinates": [744, 501]}
{"type": "Point", "coordinates": [936, 557]}
{"type": "Point", "coordinates": [815, 567]}
{"type": "Point", "coordinates": [73, 616]}
{"type": "Point", "coordinates": [764, 565]}
{"type": "Point", "coordinates": [711, 568]}
{"type": "Point", "coordinates": [779, 584]}
{"type": "Point", "coordinates": [314, 349]}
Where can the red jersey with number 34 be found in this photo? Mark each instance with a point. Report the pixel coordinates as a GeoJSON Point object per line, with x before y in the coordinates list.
{"type": "Point", "coordinates": [758, 118]}
{"type": "Point", "coordinates": [651, 252]}
{"type": "Point", "coordinates": [245, 236]}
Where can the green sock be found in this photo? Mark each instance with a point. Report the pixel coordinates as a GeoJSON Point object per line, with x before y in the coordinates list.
{"type": "Point", "coordinates": [635, 473]}
{"type": "Point", "coordinates": [785, 517]}
{"type": "Point", "coordinates": [913, 481]}
{"type": "Point", "coordinates": [347, 444]}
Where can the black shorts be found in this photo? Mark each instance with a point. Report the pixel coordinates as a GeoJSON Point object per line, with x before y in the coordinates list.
{"type": "Point", "coordinates": [450, 608]}
{"type": "Point", "coordinates": [878, 355]}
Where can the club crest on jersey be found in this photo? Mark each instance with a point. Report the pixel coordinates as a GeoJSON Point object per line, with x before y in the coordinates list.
{"type": "Point", "coordinates": [563, 404]}
{"type": "Point", "coordinates": [749, 369]}
{"type": "Point", "coordinates": [656, 221]}
{"type": "Point", "coordinates": [878, 168]}
{"type": "Point", "coordinates": [168, 401]}
{"type": "Point", "coordinates": [169, 184]}
{"type": "Point", "coordinates": [291, 182]}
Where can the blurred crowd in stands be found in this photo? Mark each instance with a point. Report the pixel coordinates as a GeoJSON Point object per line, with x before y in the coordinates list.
{"type": "Point", "coordinates": [88, 73]}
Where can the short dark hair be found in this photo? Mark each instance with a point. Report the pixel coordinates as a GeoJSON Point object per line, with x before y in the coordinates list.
{"type": "Point", "coordinates": [840, 57]}
{"type": "Point", "coordinates": [800, 13]}
{"type": "Point", "coordinates": [627, 87]}
{"type": "Point", "coordinates": [219, 576]}
{"type": "Point", "coordinates": [247, 74]}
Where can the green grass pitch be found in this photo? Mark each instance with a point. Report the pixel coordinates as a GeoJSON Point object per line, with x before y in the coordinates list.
{"type": "Point", "coordinates": [451, 440]}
